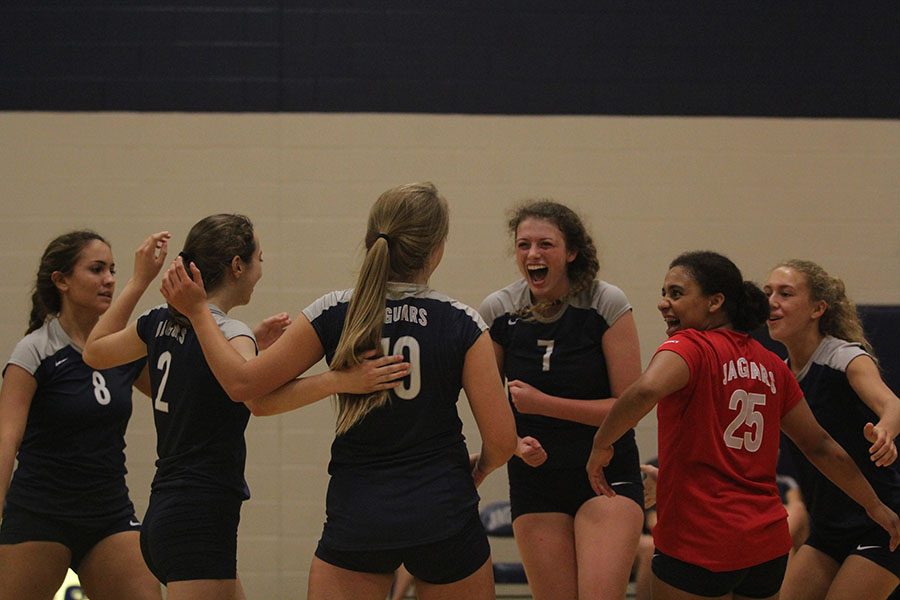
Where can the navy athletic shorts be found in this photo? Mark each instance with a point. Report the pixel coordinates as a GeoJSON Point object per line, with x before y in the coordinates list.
{"type": "Point", "coordinates": [540, 490]}
{"type": "Point", "coordinates": [872, 543]}
{"type": "Point", "coordinates": [445, 561]}
{"type": "Point", "coordinates": [79, 535]}
{"type": "Point", "coordinates": [191, 534]}
{"type": "Point", "coordinates": [759, 581]}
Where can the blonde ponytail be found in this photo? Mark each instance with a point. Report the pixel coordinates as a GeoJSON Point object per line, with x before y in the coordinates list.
{"type": "Point", "coordinates": [406, 224]}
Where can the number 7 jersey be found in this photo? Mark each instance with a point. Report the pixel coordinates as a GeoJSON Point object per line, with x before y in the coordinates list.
{"type": "Point", "coordinates": [717, 499]}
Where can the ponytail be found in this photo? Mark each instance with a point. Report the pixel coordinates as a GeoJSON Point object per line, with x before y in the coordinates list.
{"type": "Point", "coordinates": [406, 225]}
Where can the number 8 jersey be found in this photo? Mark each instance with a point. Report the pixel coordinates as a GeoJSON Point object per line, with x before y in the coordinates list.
{"type": "Point", "coordinates": [717, 500]}
{"type": "Point", "coordinates": [72, 456]}
{"type": "Point", "coordinates": [401, 476]}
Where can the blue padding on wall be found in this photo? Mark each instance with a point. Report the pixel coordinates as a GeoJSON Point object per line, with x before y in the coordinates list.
{"type": "Point", "coordinates": [587, 57]}
{"type": "Point", "coordinates": [882, 326]}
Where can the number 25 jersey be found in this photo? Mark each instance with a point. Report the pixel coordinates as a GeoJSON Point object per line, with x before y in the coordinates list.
{"type": "Point", "coordinates": [717, 500]}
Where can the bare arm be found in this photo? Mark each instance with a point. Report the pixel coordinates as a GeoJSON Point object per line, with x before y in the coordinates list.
{"type": "Point", "coordinates": [374, 374]}
{"type": "Point", "coordinates": [258, 381]}
{"type": "Point", "coordinates": [864, 378]}
{"type": "Point", "coordinates": [623, 363]}
{"type": "Point", "coordinates": [492, 413]}
{"type": "Point", "coordinates": [295, 351]}
{"type": "Point", "coordinates": [112, 342]}
{"type": "Point", "coordinates": [142, 382]}
{"type": "Point", "coordinates": [666, 374]}
{"type": "Point", "coordinates": [15, 401]}
{"type": "Point", "coordinates": [833, 461]}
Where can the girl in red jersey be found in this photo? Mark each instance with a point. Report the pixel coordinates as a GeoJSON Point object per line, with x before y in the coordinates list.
{"type": "Point", "coordinates": [722, 530]}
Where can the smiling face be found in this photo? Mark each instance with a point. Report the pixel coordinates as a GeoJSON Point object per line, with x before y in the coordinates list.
{"type": "Point", "coordinates": [792, 310]}
{"type": "Point", "coordinates": [91, 283]}
{"type": "Point", "coordinates": [542, 258]}
{"type": "Point", "coordinates": [684, 305]}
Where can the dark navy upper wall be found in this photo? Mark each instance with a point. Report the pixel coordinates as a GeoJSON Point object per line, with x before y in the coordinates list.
{"type": "Point", "coordinates": [630, 57]}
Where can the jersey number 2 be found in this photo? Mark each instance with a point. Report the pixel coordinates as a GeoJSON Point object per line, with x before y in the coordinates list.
{"type": "Point", "coordinates": [163, 364]}
{"type": "Point", "coordinates": [747, 414]}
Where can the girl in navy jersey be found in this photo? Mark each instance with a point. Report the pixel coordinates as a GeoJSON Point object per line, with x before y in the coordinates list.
{"type": "Point", "coordinates": [846, 554]}
{"type": "Point", "coordinates": [189, 535]}
{"type": "Point", "coordinates": [402, 488]}
{"type": "Point", "coordinates": [722, 530]}
{"type": "Point", "coordinates": [68, 505]}
{"type": "Point", "coordinates": [568, 346]}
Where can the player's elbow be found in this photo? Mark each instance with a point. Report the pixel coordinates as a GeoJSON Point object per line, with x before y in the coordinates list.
{"type": "Point", "coordinates": [93, 358]}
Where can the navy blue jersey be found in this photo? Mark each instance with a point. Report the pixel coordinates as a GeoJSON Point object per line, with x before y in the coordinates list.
{"type": "Point", "coordinates": [561, 356]}
{"type": "Point", "coordinates": [199, 429]}
{"type": "Point", "coordinates": [72, 459]}
{"type": "Point", "coordinates": [843, 415]}
{"type": "Point", "coordinates": [401, 476]}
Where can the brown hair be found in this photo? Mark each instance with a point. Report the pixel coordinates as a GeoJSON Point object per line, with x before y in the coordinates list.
{"type": "Point", "coordinates": [583, 269]}
{"type": "Point", "coordinates": [60, 255]}
{"type": "Point", "coordinates": [211, 244]}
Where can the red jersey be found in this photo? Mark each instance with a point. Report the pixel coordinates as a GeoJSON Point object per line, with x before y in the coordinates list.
{"type": "Point", "coordinates": [717, 500]}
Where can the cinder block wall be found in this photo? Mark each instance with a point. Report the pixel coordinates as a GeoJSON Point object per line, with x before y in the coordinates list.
{"type": "Point", "coordinates": [758, 190]}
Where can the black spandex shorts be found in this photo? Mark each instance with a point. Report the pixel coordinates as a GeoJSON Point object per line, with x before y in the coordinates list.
{"type": "Point", "coordinates": [445, 561]}
{"type": "Point", "coordinates": [79, 535]}
{"type": "Point", "coordinates": [191, 534]}
{"type": "Point", "coordinates": [759, 581]}
{"type": "Point", "coordinates": [540, 490]}
{"type": "Point", "coordinates": [872, 544]}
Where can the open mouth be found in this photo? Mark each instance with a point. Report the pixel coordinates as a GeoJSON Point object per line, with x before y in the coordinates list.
{"type": "Point", "coordinates": [537, 273]}
{"type": "Point", "coordinates": [672, 324]}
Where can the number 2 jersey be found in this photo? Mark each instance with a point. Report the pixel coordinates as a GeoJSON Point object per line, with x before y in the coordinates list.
{"type": "Point", "coordinates": [563, 357]}
{"type": "Point", "coordinates": [716, 498]}
{"type": "Point", "coordinates": [199, 429]}
{"type": "Point", "coordinates": [400, 477]}
{"type": "Point", "coordinates": [72, 456]}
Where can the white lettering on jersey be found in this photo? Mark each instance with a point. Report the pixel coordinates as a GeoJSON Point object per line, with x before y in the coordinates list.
{"type": "Point", "coordinates": [747, 369]}
{"type": "Point", "coordinates": [171, 329]}
{"type": "Point", "coordinates": [405, 312]}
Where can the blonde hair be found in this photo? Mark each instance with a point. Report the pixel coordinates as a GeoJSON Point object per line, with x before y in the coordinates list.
{"type": "Point", "coordinates": [840, 318]}
{"type": "Point", "coordinates": [406, 225]}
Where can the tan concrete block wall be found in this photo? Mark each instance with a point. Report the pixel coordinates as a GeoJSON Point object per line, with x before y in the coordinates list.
{"type": "Point", "coordinates": [758, 190]}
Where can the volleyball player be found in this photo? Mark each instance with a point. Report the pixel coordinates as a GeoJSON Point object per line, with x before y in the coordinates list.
{"type": "Point", "coordinates": [67, 504]}
{"type": "Point", "coordinates": [568, 346]}
{"type": "Point", "coordinates": [402, 488]}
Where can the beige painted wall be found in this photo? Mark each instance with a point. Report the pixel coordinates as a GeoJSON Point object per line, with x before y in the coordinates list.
{"type": "Point", "coordinates": [758, 190]}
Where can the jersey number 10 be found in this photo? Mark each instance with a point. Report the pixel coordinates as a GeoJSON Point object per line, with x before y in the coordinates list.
{"type": "Point", "coordinates": [407, 389]}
